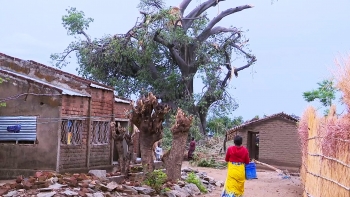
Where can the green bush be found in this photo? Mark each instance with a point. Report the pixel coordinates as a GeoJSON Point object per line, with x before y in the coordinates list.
{"type": "Point", "coordinates": [155, 180]}
{"type": "Point", "coordinates": [211, 163]}
{"type": "Point", "coordinates": [192, 178]}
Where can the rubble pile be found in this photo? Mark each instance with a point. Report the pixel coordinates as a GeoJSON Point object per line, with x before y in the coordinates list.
{"type": "Point", "coordinates": [97, 183]}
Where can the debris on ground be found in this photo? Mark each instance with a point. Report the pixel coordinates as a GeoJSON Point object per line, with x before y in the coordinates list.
{"type": "Point", "coordinates": [97, 184]}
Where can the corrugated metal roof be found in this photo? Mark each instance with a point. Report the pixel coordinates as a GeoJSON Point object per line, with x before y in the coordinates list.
{"type": "Point", "coordinates": [27, 132]}
{"type": "Point", "coordinates": [58, 71]}
{"type": "Point", "coordinates": [64, 91]}
{"type": "Point", "coordinates": [282, 115]}
{"type": "Point", "coordinates": [100, 87]}
{"type": "Point", "coordinates": [118, 100]}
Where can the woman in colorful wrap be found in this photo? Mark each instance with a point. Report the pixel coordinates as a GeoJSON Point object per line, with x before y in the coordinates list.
{"type": "Point", "coordinates": [236, 156]}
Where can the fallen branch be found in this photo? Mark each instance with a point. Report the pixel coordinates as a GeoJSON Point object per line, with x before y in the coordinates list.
{"type": "Point", "coordinates": [269, 166]}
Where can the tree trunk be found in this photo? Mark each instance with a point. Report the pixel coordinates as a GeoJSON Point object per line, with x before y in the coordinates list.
{"type": "Point", "coordinates": [118, 136]}
{"type": "Point", "coordinates": [174, 157]}
{"type": "Point", "coordinates": [129, 156]}
{"type": "Point", "coordinates": [148, 116]}
{"type": "Point", "coordinates": [118, 141]}
{"type": "Point", "coordinates": [146, 145]}
{"type": "Point", "coordinates": [203, 122]}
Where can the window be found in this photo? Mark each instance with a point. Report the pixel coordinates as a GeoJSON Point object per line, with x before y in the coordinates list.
{"type": "Point", "coordinates": [71, 130]}
{"type": "Point", "coordinates": [18, 129]}
{"type": "Point", "coordinates": [100, 132]}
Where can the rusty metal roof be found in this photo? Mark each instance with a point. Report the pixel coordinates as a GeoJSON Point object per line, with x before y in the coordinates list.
{"type": "Point", "coordinates": [91, 83]}
{"type": "Point", "coordinates": [248, 123]}
{"type": "Point", "coordinates": [62, 90]}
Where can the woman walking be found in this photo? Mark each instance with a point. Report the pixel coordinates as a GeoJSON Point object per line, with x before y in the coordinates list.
{"type": "Point", "coordinates": [191, 149]}
{"type": "Point", "coordinates": [236, 156]}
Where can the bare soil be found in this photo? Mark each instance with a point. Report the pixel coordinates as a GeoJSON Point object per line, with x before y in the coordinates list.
{"type": "Point", "coordinates": [269, 183]}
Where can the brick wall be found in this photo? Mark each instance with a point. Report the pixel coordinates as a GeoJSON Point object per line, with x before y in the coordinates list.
{"type": "Point", "coordinates": [279, 142]}
{"type": "Point", "coordinates": [102, 110]}
{"type": "Point", "coordinates": [74, 156]}
{"type": "Point", "coordinates": [119, 109]}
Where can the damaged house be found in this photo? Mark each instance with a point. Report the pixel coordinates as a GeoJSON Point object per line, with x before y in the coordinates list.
{"type": "Point", "coordinates": [54, 120]}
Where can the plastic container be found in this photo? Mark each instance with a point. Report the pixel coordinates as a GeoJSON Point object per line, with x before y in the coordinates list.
{"type": "Point", "coordinates": [250, 171]}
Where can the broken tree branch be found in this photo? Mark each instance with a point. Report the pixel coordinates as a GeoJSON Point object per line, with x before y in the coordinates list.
{"type": "Point", "coordinates": [198, 11]}
{"type": "Point", "coordinates": [183, 6]}
{"type": "Point", "coordinates": [206, 32]}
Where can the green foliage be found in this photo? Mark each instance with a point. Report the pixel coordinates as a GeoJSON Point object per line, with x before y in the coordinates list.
{"type": "Point", "coordinates": [219, 125]}
{"type": "Point", "coordinates": [157, 56]}
{"type": "Point", "coordinates": [192, 178]}
{"type": "Point", "coordinates": [325, 93]}
{"type": "Point", "coordinates": [75, 22]}
{"type": "Point", "coordinates": [155, 180]}
{"type": "Point", "coordinates": [211, 163]}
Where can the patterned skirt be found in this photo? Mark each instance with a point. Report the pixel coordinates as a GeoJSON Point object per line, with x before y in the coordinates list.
{"type": "Point", "coordinates": [234, 184]}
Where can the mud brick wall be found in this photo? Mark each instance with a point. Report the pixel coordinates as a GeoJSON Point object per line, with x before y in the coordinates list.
{"type": "Point", "coordinates": [74, 156]}
{"type": "Point", "coordinates": [102, 110]}
{"type": "Point", "coordinates": [279, 142]}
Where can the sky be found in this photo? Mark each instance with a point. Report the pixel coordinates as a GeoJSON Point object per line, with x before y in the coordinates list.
{"type": "Point", "coordinates": [295, 41]}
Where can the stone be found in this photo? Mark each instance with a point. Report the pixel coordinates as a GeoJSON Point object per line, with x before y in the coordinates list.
{"type": "Point", "coordinates": [46, 194]}
{"type": "Point", "coordinates": [178, 188]}
{"type": "Point", "coordinates": [70, 193]}
{"type": "Point", "coordinates": [11, 193]}
{"type": "Point", "coordinates": [98, 194]}
{"type": "Point", "coordinates": [146, 191]}
{"type": "Point", "coordinates": [175, 193]}
{"type": "Point", "coordinates": [204, 182]}
{"type": "Point", "coordinates": [101, 174]}
{"type": "Point", "coordinates": [112, 185]}
{"type": "Point", "coordinates": [192, 189]}
{"type": "Point", "coordinates": [129, 190]}
{"type": "Point", "coordinates": [181, 183]}
{"type": "Point", "coordinates": [219, 183]}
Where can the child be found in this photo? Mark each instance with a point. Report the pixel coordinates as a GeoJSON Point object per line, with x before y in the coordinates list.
{"type": "Point", "coordinates": [159, 152]}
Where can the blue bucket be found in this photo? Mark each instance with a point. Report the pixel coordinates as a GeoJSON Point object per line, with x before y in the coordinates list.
{"type": "Point", "coordinates": [250, 171]}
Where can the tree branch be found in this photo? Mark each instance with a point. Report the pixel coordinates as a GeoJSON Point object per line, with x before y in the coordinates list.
{"type": "Point", "coordinates": [183, 6]}
{"type": "Point", "coordinates": [206, 32]}
{"type": "Point", "coordinates": [198, 11]}
{"type": "Point", "coordinates": [217, 30]}
{"type": "Point", "coordinates": [175, 55]}
{"type": "Point", "coordinates": [85, 34]}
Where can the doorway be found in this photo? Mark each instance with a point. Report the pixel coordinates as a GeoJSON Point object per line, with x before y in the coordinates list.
{"type": "Point", "coordinates": [253, 144]}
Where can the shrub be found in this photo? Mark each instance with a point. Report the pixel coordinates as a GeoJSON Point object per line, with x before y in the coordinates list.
{"type": "Point", "coordinates": [155, 180]}
{"type": "Point", "coordinates": [211, 163]}
{"type": "Point", "coordinates": [192, 178]}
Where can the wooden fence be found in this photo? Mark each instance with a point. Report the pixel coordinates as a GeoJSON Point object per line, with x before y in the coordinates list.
{"type": "Point", "coordinates": [325, 170]}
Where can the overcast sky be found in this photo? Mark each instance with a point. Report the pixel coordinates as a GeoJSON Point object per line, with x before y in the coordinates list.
{"type": "Point", "coordinates": [295, 42]}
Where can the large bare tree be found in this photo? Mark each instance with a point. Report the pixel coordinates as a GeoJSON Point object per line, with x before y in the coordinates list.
{"type": "Point", "coordinates": [164, 52]}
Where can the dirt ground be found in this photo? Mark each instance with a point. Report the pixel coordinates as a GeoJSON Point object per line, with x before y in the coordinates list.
{"type": "Point", "coordinates": [269, 183]}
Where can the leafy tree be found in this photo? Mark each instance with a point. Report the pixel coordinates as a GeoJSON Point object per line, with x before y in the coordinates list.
{"type": "Point", "coordinates": [221, 124]}
{"type": "Point", "coordinates": [325, 93]}
{"type": "Point", "coordinates": [163, 53]}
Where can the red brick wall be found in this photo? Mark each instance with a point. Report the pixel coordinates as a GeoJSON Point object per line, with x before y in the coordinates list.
{"type": "Point", "coordinates": [279, 142]}
{"type": "Point", "coordinates": [74, 156]}
{"type": "Point", "coordinates": [102, 110]}
{"type": "Point", "coordinates": [119, 109]}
